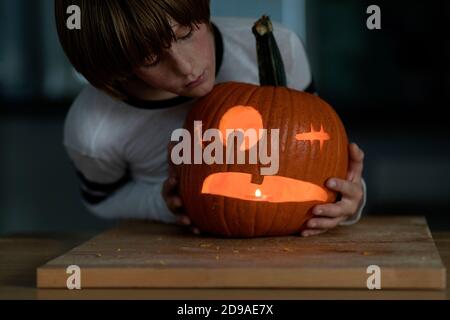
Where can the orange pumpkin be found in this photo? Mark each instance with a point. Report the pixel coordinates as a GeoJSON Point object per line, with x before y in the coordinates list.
{"type": "Point", "coordinates": [235, 200]}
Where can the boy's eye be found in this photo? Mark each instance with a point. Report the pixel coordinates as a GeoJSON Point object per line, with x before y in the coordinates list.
{"type": "Point", "coordinates": [151, 62]}
{"type": "Point", "coordinates": [187, 36]}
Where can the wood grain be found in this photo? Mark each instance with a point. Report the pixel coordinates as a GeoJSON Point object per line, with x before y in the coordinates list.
{"type": "Point", "coordinates": [145, 255]}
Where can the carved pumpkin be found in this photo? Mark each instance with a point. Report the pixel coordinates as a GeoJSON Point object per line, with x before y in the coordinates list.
{"type": "Point", "coordinates": [235, 200]}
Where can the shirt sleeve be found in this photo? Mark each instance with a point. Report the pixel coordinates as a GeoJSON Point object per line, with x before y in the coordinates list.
{"type": "Point", "coordinates": [298, 69]}
{"type": "Point", "coordinates": [109, 192]}
{"type": "Point", "coordinates": [357, 216]}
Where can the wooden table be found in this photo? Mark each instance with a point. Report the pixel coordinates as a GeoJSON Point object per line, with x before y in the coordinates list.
{"type": "Point", "coordinates": [21, 255]}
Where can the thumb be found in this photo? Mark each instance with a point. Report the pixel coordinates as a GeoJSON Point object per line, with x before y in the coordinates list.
{"type": "Point", "coordinates": [169, 186]}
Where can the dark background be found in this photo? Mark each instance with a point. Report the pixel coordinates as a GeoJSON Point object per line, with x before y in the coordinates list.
{"type": "Point", "coordinates": [390, 86]}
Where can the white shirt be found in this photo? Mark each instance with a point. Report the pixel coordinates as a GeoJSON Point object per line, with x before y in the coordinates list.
{"type": "Point", "coordinates": [120, 151]}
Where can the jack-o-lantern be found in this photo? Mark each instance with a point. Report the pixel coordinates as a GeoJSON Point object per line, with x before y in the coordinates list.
{"type": "Point", "coordinates": [236, 200]}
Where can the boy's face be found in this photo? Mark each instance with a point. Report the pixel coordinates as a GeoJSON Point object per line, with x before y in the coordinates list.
{"type": "Point", "coordinates": [187, 68]}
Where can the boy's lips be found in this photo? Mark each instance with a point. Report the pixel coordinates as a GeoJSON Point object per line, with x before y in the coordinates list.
{"type": "Point", "coordinates": [197, 81]}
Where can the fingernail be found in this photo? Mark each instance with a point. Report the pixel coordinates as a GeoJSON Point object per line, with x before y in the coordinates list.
{"type": "Point", "coordinates": [312, 224]}
{"type": "Point", "coordinates": [178, 203]}
{"type": "Point", "coordinates": [332, 184]}
{"type": "Point", "coordinates": [318, 212]}
{"type": "Point", "coordinates": [186, 221]}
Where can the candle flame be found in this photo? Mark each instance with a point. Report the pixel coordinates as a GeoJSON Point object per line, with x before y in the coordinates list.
{"type": "Point", "coordinates": [258, 193]}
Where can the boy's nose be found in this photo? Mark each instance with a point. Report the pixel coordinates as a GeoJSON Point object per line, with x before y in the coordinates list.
{"type": "Point", "coordinates": [183, 64]}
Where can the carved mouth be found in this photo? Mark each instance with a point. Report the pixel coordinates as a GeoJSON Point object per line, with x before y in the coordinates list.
{"type": "Point", "coordinates": [274, 189]}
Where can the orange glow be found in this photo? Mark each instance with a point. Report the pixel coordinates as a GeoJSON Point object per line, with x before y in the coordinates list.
{"type": "Point", "coordinates": [321, 136]}
{"type": "Point", "coordinates": [241, 118]}
{"type": "Point", "coordinates": [274, 189]}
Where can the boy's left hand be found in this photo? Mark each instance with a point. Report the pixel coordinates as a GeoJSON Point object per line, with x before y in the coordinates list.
{"type": "Point", "coordinates": [329, 216]}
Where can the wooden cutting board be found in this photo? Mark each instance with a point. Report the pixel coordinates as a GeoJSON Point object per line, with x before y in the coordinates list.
{"type": "Point", "coordinates": [146, 255]}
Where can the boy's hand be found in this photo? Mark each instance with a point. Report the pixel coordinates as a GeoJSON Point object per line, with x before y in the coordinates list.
{"type": "Point", "coordinates": [173, 199]}
{"type": "Point", "coordinates": [329, 216]}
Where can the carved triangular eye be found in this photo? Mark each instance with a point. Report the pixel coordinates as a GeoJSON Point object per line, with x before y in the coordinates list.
{"type": "Point", "coordinates": [244, 119]}
{"type": "Point", "coordinates": [314, 135]}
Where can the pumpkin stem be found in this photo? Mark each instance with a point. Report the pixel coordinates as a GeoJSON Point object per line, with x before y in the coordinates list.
{"type": "Point", "coordinates": [270, 63]}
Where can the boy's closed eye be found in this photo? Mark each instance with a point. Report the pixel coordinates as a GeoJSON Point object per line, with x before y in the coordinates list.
{"type": "Point", "coordinates": [151, 62]}
{"type": "Point", "coordinates": [185, 35]}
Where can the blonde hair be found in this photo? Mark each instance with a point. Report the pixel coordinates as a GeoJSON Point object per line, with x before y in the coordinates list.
{"type": "Point", "coordinates": [116, 36]}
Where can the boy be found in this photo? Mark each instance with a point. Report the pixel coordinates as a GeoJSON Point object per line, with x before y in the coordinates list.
{"type": "Point", "coordinates": [147, 61]}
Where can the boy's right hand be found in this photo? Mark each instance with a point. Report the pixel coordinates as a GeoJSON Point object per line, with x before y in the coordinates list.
{"type": "Point", "coordinates": [173, 199]}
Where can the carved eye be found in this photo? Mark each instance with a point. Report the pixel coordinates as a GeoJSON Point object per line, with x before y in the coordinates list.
{"type": "Point", "coordinates": [242, 118]}
{"type": "Point", "coordinates": [313, 135]}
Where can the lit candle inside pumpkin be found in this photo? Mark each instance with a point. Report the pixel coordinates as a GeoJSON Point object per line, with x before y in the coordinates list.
{"type": "Point", "coordinates": [259, 196]}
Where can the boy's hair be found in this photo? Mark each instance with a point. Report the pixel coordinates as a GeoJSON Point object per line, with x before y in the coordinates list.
{"type": "Point", "coordinates": [117, 36]}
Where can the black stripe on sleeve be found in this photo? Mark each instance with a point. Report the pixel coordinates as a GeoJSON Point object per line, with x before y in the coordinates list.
{"type": "Point", "coordinates": [94, 193]}
{"type": "Point", "coordinates": [107, 188]}
{"type": "Point", "coordinates": [91, 198]}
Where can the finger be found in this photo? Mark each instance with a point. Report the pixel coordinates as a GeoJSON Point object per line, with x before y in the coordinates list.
{"type": "Point", "coordinates": [170, 187]}
{"type": "Point", "coordinates": [330, 210]}
{"type": "Point", "coordinates": [343, 208]}
{"type": "Point", "coordinates": [348, 189]}
{"type": "Point", "coordinates": [325, 223]}
{"type": "Point", "coordinates": [172, 171]}
{"type": "Point", "coordinates": [356, 163]}
{"type": "Point", "coordinates": [312, 232]}
{"type": "Point", "coordinates": [174, 203]}
{"type": "Point", "coordinates": [169, 158]}
{"type": "Point", "coordinates": [170, 183]}
{"type": "Point", "coordinates": [184, 220]}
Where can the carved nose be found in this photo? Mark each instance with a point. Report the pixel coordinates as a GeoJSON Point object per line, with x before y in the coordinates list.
{"type": "Point", "coordinates": [257, 178]}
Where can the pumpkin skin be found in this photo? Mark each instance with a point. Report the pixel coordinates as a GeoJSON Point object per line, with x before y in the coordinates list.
{"type": "Point", "coordinates": [291, 111]}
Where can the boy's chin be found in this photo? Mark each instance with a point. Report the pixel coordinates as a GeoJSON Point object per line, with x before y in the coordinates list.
{"type": "Point", "coordinates": [200, 91]}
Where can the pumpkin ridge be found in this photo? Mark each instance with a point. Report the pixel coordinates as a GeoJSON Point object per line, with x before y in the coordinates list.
{"type": "Point", "coordinates": [223, 199]}
{"type": "Point", "coordinates": [291, 107]}
{"type": "Point", "coordinates": [268, 96]}
{"type": "Point", "coordinates": [250, 96]}
{"type": "Point", "coordinates": [324, 163]}
{"type": "Point", "coordinates": [288, 110]}
{"type": "Point", "coordinates": [333, 165]}
{"type": "Point", "coordinates": [269, 118]}
{"type": "Point", "coordinates": [254, 206]}
{"type": "Point", "coordinates": [309, 146]}
{"type": "Point", "coordinates": [235, 214]}
{"type": "Point", "coordinates": [202, 110]}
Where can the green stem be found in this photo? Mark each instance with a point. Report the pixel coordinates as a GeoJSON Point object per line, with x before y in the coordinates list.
{"type": "Point", "coordinates": [270, 62]}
